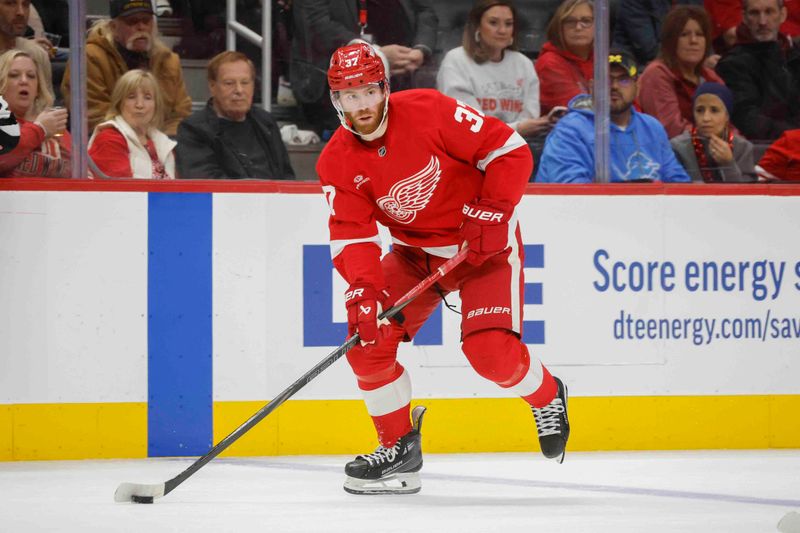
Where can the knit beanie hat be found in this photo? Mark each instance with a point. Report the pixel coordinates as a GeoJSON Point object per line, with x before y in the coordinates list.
{"type": "Point", "coordinates": [718, 90]}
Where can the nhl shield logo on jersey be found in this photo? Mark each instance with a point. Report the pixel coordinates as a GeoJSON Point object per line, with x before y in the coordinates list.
{"type": "Point", "coordinates": [412, 194]}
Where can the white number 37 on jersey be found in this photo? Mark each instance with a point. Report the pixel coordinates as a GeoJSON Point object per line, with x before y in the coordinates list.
{"type": "Point", "coordinates": [465, 112]}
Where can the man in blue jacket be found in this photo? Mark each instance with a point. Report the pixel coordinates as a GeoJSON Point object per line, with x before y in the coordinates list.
{"type": "Point", "coordinates": [640, 149]}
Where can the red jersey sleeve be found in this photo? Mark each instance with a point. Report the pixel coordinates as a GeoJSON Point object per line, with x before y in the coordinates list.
{"type": "Point", "coordinates": [110, 153]}
{"type": "Point", "coordinates": [780, 161]}
{"type": "Point", "coordinates": [355, 243]}
{"type": "Point", "coordinates": [489, 145]}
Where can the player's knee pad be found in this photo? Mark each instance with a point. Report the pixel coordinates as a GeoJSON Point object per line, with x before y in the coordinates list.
{"type": "Point", "coordinates": [497, 355]}
{"type": "Point", "coordinates": [376, 363]}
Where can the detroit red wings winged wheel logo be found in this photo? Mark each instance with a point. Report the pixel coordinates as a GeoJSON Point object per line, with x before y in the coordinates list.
{"type": "Point", "coordinates": [412, 194]}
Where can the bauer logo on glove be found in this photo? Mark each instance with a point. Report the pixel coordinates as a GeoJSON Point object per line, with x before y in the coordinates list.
{"type": "Point", "coordinates": [364, 306]}
{"type": "Point", "coordinates": [485, 229]}
{"type": "Point", "coordinates": [482, 214]}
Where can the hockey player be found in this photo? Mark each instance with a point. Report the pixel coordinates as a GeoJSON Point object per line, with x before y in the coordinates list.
{"type": "Point", "coordinates": [438, 174]}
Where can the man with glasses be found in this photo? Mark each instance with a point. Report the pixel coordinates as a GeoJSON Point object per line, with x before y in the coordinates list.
{"type": "Point", "coordinates": [640, 149]}
{"type": "Point", "coordinates": [763, 71]}
{"type": "Point", "coordinates": [230, 138]}
{"type": "Point", "coordinates": [440, 176]}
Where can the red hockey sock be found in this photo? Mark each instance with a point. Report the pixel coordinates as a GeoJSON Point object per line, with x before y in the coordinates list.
{"type": "Point", "coordinates": [392, 426]}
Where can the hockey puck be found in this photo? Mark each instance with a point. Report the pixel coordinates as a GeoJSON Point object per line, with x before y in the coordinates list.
{"type": "Point", "coordinates": [142, 499]}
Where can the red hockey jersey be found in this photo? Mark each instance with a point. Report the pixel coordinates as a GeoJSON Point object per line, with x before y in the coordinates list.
{"type": "Point", "coordinates": [436, 155]}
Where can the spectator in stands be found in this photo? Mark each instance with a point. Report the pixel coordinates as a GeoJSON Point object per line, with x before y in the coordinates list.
{"type": "Point", "coordinates": [565, 64]}
{"type": "Point", "coordinates": [403, 31]}
{"type": "Point", "coordinates": [711, 151]}
{"type": "Point", "coordinates": [487, 72]}
{"type": "Point", "coordinates": [726, 15]}
{"type": "Point", "coordinates": [763, 71]}
{"type": "Point", "coordinates": [230, 138]}
{"type": "Point", "coordinates": [640, 150]}
{"type": "Point", "coordinates": [128, 41]}
{"type": "Point", "coordinates": [44, 143]}
{"type": "Point", "coordinates": [129, 144]}
{"type": "Point", "coordinates": [668, 83]}
{"type": "Point", "coordinates": [14, 16]}
{"type": "Point", "coordinates": [638, 26]}
{"type": "Point", "coordinates": [781, 161]}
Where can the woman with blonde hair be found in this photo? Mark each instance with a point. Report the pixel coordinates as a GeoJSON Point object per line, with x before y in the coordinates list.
{"type": "Point", "coordinates": [43, 149]}
{"type": "Point", "coordinates": [566, 62]}
{"type": "Point", "coordinates": [130, 144]}
{"type": "Point", "coordinates": [488, 73]}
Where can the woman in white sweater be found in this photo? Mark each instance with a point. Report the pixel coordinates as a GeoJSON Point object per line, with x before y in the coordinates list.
{"type": "Point", "coordinates": [487, 72]}
{"type": "Point", "coordinates": [129, 144]}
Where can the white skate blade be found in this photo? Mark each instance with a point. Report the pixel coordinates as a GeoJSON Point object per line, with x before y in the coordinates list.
{"type": "Point", "coordinates": [396, 484]}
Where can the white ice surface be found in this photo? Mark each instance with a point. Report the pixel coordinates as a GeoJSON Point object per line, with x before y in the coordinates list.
{"type": "Point", "coordinates": [726, 492]}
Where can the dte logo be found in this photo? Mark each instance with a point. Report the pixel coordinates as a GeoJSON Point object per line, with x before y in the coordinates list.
{"type": "Point", "coordinates": [319, 329]}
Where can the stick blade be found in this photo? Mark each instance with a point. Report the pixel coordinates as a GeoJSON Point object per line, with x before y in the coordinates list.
{"type": "Point", "coordinates": [138, 492]}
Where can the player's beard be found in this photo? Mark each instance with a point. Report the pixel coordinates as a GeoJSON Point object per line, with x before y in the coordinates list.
{"type": "Point", "coordinates": [372, 125]}
{"type": "Point", "coordinates": [131, 42]}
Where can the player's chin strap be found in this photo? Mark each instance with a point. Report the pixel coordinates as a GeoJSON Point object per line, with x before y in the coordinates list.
{"type": "Point", "coordinates": [379, 131]}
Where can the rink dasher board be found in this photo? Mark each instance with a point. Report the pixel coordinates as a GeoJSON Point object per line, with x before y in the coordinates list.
{"type": "Point", "coordinates": [80, 345]}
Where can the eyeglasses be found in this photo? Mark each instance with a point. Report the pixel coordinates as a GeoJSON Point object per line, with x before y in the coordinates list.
{"type": "Point", "coordinates": [622, 81]}
{"type": "Point", "coordinates": [572, 22]}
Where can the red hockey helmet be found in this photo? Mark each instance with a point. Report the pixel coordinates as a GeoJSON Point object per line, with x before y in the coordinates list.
{"type": "Point", "coordinates": [355, 65]}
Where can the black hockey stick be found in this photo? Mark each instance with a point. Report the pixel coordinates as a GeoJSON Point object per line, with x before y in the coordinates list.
{"type": "Point", "coordinates": [146, 493]}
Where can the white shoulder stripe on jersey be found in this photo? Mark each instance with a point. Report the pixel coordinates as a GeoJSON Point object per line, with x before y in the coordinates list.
{"type": "Point", "coordinates": [512, 143]}
{"type": "Point", "coordinates": [338, 246]}
{"type": "Point", "coordinates": [390, 397]}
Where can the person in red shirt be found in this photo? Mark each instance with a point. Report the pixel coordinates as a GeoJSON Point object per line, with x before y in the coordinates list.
{"type": "Point", "coordinates": [44, 146]}
{"type": "Point", "coordinates": [781, 161]}
{"type": "Point", "coordinates": [667, 86]}
{"type": "Point", "coordinates": [566, 62]}
{"type": "Point", "coordinates": [439, 175]}
{"type": "Point", "coordinates": [130, 143]}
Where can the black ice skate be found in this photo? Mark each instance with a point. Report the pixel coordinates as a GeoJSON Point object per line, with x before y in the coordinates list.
{"type": "Point", "coordinates": [553, 425]}
{"type": "Point", "coordinates": [392, 470]}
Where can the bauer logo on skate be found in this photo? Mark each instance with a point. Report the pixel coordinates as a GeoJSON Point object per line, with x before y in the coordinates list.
{"type": "Point", "coordinates": [497, 310]}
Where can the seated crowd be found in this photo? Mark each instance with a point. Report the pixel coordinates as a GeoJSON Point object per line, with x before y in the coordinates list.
{"type": "Point", "coordinates": [697, 89]}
